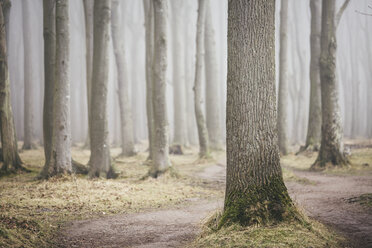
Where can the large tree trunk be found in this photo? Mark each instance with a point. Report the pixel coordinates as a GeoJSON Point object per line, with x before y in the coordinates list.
{"type": "Point", "coordinates": [11, 160]}
{"type": "Point", "coordinates": [60, 157]}
{"type": "Point", "coordinates": [212, 82]}
{"type": "Point", "coordinates": [149, 29]}
{"type": "Point", "coordinates": [283, 79]}
{"type": "Point", "coordinates": [49, 70]}
{"type": "Point", "coordinates": [199, 99]}
{"type": "Point", "coordinates": [255, 191]}
{"type": "Point", "coordinates": [29, 77]}
{"type": "Point", "coordinates": [331, 149]}
{"type": "Point", "coordinates": [88, 13]}
{"type": "Point", "coordinates": [100, 159]}
{"type": "Point", "coordinates": [315, 112]}
{"type": "Point", "coordinates": [126, 125]}
{"type": "Point", "coordinates": [179, 88]}
{"type": "Point", "coordinates": [161, 147]}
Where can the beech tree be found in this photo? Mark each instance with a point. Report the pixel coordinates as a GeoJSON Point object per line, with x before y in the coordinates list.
{"type": "Point", "coordinates": [198, 97]}
{"type": "Point", "coordinates": [126, 125]}
{"type": "Point", "coordinates": [100, 159]}
{"type": "Point", "coordinates": [160, 162]}
{"type": "Point", "coordinates": [11, 160]}
{"type": "Point", "coordinates": [331, 148]}
{"type": "Point", "coordinates": [255, 191]}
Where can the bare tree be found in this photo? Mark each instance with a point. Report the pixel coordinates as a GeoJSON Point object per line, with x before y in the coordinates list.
{"type": "Point", "coordinates": [255, 191]}
{"type": "Point", "coordinates": [126, 127]}
{"type": "Point", "coordinates": [161, 147]}
{"type": "Point", "coordinates": [200, 119]}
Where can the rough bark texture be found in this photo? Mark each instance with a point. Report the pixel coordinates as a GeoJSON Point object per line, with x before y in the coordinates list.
{"type": "Point", "coordinates": [315, 112]}
{"type": "Point", "coordinates": [60, 157]}
{"type": "Point", "coordinates": [179, 88]}
{"type": "Point", "coordinates": [255, 191]}
{"type": "Point", "coordinates": [11, 160]}
{"type": "Point", "coordinates": [161, 147]}
{"type": "Point", "coordinates": [49, 70]}
{"type": "Point", "coordinates": [100, 160]}
{"type": "Point", "coordinates": [126, 121]}
{"type": "Point", "coordinates": [7, 4]}
{"type": "Point", "coordinates": [212, 82]}
{"type": "Point", "coordinates": [331, 149]}
{"type": "Point", "coordinates": [29, 77]}
{"type": "Point", "coordinates": [88, 14]}
{"type": "Point", "coordinates": [283, 79]}
{"type": "Point", "coordinates": [199, 99]}
{"type": "Point", "coordinates": [149, 29]}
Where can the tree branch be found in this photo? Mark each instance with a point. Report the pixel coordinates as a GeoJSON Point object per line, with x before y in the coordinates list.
{"type": "Point", "coordinates": [341, 11]}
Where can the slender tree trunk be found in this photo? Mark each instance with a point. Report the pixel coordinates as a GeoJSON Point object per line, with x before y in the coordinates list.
{"type": "Point", "coordinates": [283, 79]}
{"type": "Point", "coordinates": [199, 115]}
{"type": "Point", "coordinates": [255, 191]}
{"type": "Point", "coordinates": [100, 159]}
{"type": "Point", "coordinates": [212, 82]}
{"type": "Point", "coordinates": [7, 4]}
{"type": "Point", "coordinates": [11, 160]}
{"type": "Point", "coordinates": [179, 94]}
{"type": "Point", "coordinates": [161, 147]}
{"type": "Point", "coordinates": [149, 29]}
{"type": "Point", "coordinates": [126, 127]}
{"type": "Point", "coordinates": [88, 13]}
{"type": "Point", "coordinates": [29, 76]}
{"type": "Point", "coordinates": [331, 149]}
{"type": "Point", "coordinates": [49, 70]}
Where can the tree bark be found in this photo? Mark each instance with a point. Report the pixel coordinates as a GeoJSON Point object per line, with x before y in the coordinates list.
{"type": "Point", "coordinates": [211, 75]}
{"type": "Point", "coordinates": [100, 159]}
{"type": "Point", "coordinates": [331, 149]}
{"type": "Point", "coordinates": [283, 79]}
{"type": "Point", "coordinates": [255, 191]}
{"type": "Point", "coordinates": [126, 127]}
{"type": "Point", "coordinates": [199, 115]}
{"type": "Point", "coordinates": [149, 33]}
{"type": "Point", "coordinates": [11, 160]}
{"type": "Point", "coordinates": [161, 147]}
{"type": "Point", "coordinates": [29, 76]}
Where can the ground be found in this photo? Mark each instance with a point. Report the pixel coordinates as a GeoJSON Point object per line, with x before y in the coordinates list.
{"type": "Point", "coordinates": [170, 211]}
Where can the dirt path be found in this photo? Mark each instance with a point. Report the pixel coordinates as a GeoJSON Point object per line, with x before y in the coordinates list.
{"type": "Point", "coordinates": [328, 201]}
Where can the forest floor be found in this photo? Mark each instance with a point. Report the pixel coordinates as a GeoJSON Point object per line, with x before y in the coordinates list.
{"type": "Point", "coordinates": [171, 210]}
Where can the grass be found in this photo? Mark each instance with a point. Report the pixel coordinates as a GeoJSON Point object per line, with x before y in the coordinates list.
{"type": "Point", "coordinates": [364, 200]}
{"type": "Point", "coordinates": [31, 212]}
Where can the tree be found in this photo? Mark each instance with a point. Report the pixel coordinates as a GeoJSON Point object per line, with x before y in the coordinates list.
{"type": "Point", "coordinates": [11, 160]}
{"type": "Point", "coordinates": [315, 112]}
{"type": "Point", "coordinates": [60, 157]}
{"type": "Point", "coordinates": [331, 148]}
{"type": "Point", "coordinates": [283, 79]}
{"type": "Point", "coordinates": [29, 79]}
{"type": "Point", "coordinates": [160, 162]}
{"type": "Point", "coordinates": [212, 82]}
{"type": "Point", "coordinates": [255, 191]}
{"type": "Point", "coordinates": [198, 101]}
{"type": "Point", "coordinates": [149, 29]}
{"type": "Point", "coordinates": [100, 159]}
{"type": "Point", "coordinates": [126, 127]}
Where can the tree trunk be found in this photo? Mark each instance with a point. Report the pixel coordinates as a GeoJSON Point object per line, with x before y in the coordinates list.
{"type": "Point", "coordinates": [179, 88]}
{"type": "Point", "coordinates": [100, 159]}
{"type": "Point", "coordinates": [331, 149]}
{"type": "Point", "coordinates": [11, 160]}
{"type": "Point", "coordinates": [49, 70]}
{"type": "Point", "coordinates": [255, 191]}
{"type": "Point", "coordinates": [315, 112]}
{"type": "Point", "coordinates": [126, 127]}
{"type": "Point", "coordinates": [88, 13]}
{"type": "Point", "coordinates": [199, 115]}
{"type": "Point", "coordinates": [283, 80]}
{"type": "Point", "coordinates": [29, 76]}
{"type": "Point", "coordinates": [212, 82]}
{"type": "Point", "coordinates": [149, 29]}
{"type": "Point", "coordinates": [161, 147]}
{"type": "Point", "coordinates": [6, 13]}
